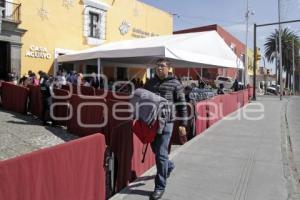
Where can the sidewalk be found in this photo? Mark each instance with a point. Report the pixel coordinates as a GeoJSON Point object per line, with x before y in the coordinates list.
{"type": "Point", "coordinates": [233, 159]}
{"type": "Point", "coordinates": [293, 116]}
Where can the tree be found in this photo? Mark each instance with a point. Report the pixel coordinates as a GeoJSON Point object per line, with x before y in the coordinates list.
{"type": "Point", "coordinates": [288, 38]}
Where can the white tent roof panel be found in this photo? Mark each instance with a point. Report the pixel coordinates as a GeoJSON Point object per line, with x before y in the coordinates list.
{"type": "Point", "coordinates": [184, 50]}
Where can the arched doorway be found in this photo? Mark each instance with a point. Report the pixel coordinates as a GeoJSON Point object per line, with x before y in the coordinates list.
{"type": "Point", "coordinates": [4, 59]}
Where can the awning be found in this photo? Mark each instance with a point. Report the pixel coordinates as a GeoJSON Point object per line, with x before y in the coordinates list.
{"type": "Point", "coordinates": [204, 49]}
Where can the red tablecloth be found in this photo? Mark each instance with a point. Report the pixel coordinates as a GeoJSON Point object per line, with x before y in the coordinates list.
{"type": "Point", "coordinates": [70, 171]}
{"type": "Point", "coordinates": [14, 97]}
{"type": "Point", "coordinates": [35, 101]}
{"type": "Point", "coordinates": [91, 115]}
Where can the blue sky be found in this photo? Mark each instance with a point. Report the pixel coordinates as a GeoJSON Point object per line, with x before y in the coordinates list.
{"type": "Point", "coordinates": [230, 15]}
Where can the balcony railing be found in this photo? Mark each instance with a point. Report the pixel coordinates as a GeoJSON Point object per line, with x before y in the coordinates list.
{"type": "Point", "coordinates": [11, 11]}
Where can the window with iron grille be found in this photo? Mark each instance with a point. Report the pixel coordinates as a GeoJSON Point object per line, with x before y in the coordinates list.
{"type": "Point", "coordinates": [2, 4]}
{"type": "Point", "coordinates": [94, 16]}
{"type": "Point", "coordinates": [94, 25]}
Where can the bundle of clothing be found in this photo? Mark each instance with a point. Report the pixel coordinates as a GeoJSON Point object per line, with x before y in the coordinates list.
{"type": "Point", "coordinates": [197, 94]}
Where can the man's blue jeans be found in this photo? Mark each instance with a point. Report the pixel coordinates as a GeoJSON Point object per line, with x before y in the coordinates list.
{"type": "Point", "coordinates": [163, 164]}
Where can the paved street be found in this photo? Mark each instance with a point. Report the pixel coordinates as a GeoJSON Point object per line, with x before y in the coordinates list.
{"type": "Point", "coordinates": [234, 159]}
{"type": "Point", "coordinates": [21, 134]}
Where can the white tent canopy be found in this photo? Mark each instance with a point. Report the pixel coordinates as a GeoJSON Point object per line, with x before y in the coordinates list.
{"type": "Point", "coordinates": [184, 50]}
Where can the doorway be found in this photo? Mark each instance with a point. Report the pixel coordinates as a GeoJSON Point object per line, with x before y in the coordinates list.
{"type": "Point", "coordinates": [121, 74]}
{"type": "Point", "coordinates": [4, 60]}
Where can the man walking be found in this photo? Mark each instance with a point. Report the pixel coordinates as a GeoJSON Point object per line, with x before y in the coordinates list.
{"type": "Point", "coordinates": [46, 95]}
{"type": "Point", "coordinates": [168, 87]}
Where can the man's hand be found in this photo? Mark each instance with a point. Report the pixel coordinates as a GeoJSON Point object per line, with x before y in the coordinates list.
{"type": "Point", "coordinates": [182, 131]}
{"type": "Point", "coordinates": [182, 134]}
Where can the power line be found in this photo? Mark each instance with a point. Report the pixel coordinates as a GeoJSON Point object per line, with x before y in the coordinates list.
{"type": "Point", "coordinates": [205, 18]}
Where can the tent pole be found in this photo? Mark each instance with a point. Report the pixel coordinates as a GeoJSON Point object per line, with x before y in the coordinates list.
{"type": "Point", "coordinates": [188, 75]}
{"type": "Point", "coordinates": [201, 72]}
{"type": "Point", "coordinates": [98, 68]}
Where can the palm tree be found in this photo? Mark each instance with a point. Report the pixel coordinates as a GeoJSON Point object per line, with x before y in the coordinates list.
{"type": "Point", "coordinates": [288, 38]}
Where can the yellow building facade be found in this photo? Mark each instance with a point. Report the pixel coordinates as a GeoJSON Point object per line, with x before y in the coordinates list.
{"type": "Point", "coordinates": [55, 27]}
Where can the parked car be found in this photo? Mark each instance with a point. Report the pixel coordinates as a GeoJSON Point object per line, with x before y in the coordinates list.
{"type": "Point", "coordinates": [185, 80]}
{"type": "Point", "coordinates": [273, 89]}
{"type": "Point", "coordinates": [227, 81]}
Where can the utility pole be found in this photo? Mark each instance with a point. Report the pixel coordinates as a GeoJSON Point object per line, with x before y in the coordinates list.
{"type": "Point", "coordinates": [254, 65]}
{"type": "Point", "coordinates": [255, 53]}
{"type": "Point", "coordinates": [280, 51]}
{"type": "Point", "coordinates": [277, 67]}
{"type": "Point", "coordinates": [248, 12]}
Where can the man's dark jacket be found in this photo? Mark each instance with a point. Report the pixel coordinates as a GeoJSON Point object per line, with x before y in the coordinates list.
{"type": "Point", "coordinates": [172, 90]}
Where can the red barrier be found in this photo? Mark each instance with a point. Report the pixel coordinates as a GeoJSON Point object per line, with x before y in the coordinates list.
{"type": "Point", "coordinates": [214, 110]}
{"type": "Point", "coordinates": [73, 170]}
{"type": "Point", "coordinates": [61, 102]}
{"type": "Point", "coordinates": [126, 146]}
{"type": "Point", "coordinates": [250, 92]}
{"type": "Point", "coordinates": [240, 100]}
{"type": "Point", "coordinates": [0, 90]}
{"type": "Point", "coordinates": [67, 87]}
{"type": "Point", "coordinates": [109, 95]}
{"type": "Point", "coordinates": [86, 90]}
{"type": "Point", "coordinates": [35, 101]}
{"type": "Point", "coordinates": [246, 97]}
{"type": "Point", "coordinates": [14, 97]}
{"type": "Point", "coordinates": [234, 101]}
{"type": "Point", "coordinates": [201, 117]}
{"type": "Point", "coordinates": [91, 115]}
{"type": "Point", "coordinates": [228, 102]}
{"type": "Point", "coordinates": [128, 152]}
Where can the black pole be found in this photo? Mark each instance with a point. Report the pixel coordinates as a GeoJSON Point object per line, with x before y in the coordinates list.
{"type": "Point", "coordinates": [254, 65]}
{"type": "Point", "coordinates": [276, 23]}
